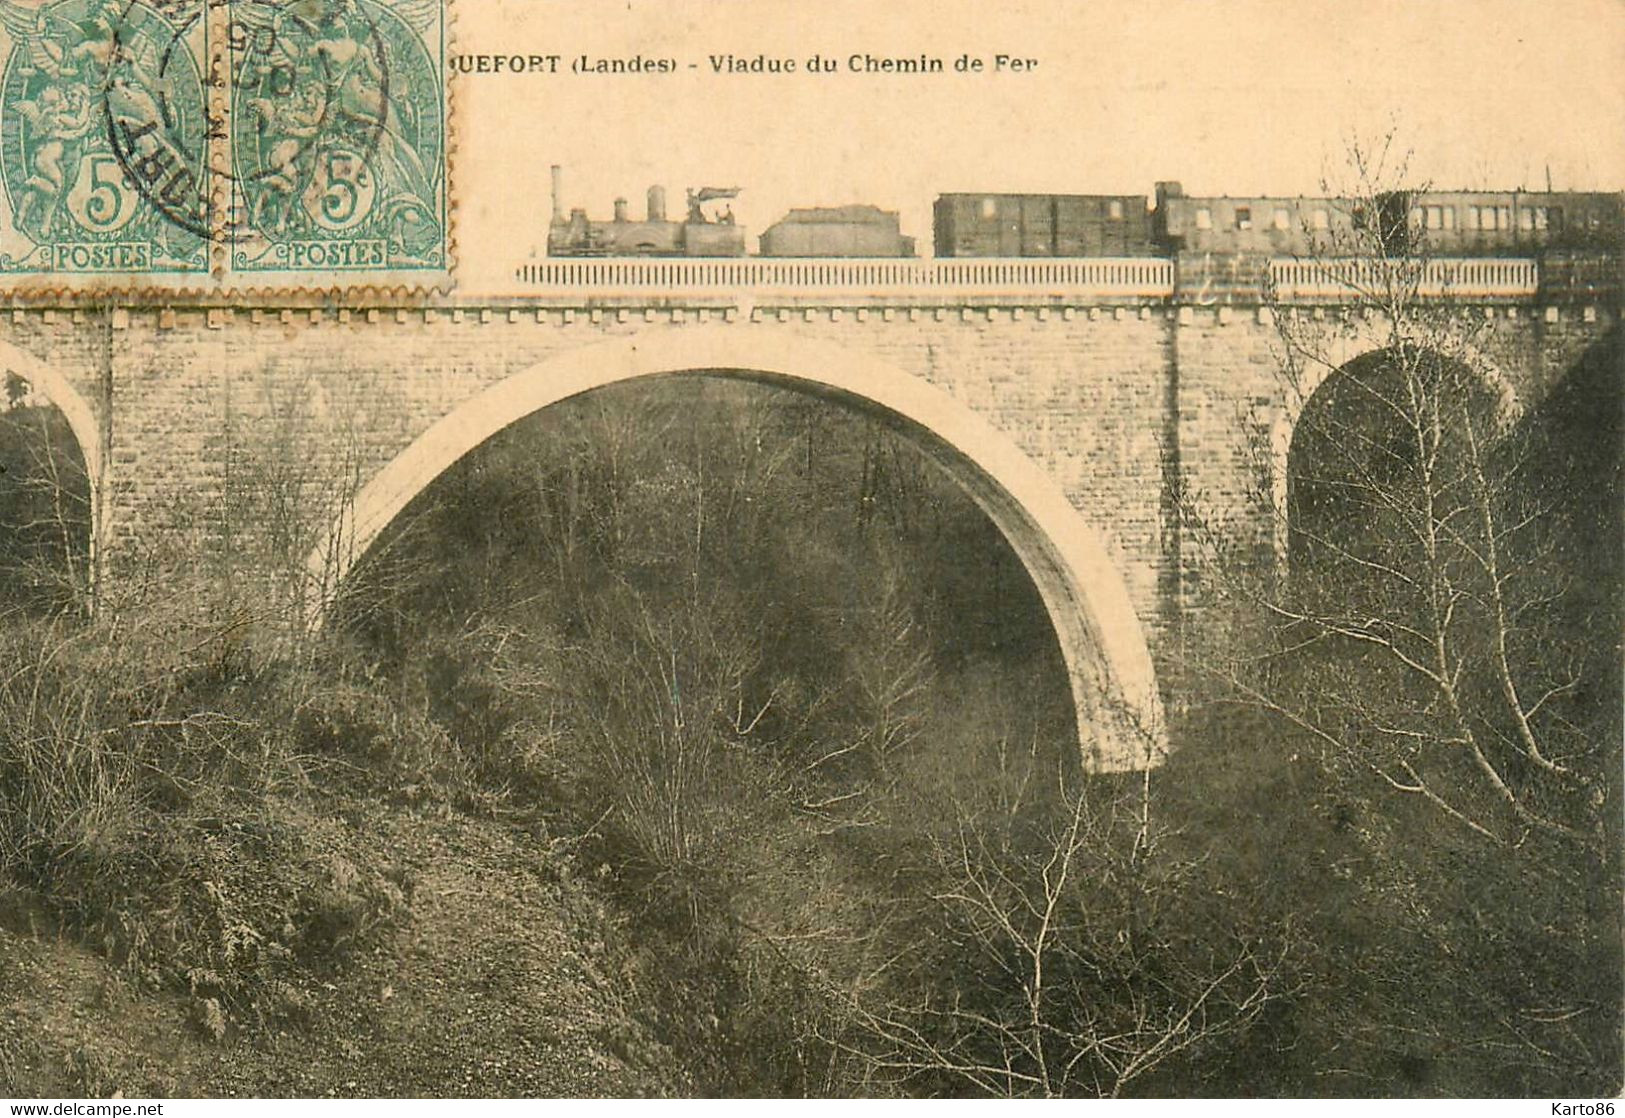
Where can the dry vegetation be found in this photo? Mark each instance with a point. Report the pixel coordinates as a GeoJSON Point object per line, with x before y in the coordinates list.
{"type": "Point", "coordinates": [700, 738]}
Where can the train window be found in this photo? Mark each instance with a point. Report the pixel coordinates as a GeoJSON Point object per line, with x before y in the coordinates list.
{"type": "Point", "coordinates": [1472, 217]}
{"type": "Point", "coordinates": [1204, 218]}
{"type": "Point", "coordinates": [1503, 217]}
{"type": "Point", "coordinates": [1114, 209]}
{"type": "Point", "coordinates": [1320, 219]}
{"type": "Point", "coordinates": [1540, 218]}
{"type": "Point", "coordinates": [990, 209]}
{"type": "Point", "coordinates": [1244, 217]}
{"type": "Point", "coordinates": [1440, 217]}
{"type": "Point", "coordinates": [1283, 220]}
{"type": "Point", "coordinates": [1526, 218]}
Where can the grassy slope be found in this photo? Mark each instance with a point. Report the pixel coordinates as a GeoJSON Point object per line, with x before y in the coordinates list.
{"type": "Point", "coordinates": [505, 981]}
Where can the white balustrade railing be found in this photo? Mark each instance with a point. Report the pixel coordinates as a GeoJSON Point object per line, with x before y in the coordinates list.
{"type": "Point", "coordinates": [1072, 279]}
{"type": "Point", "coordinates": [1083, 277]}
{"type": "Point", "coordinates": [1486, 277]}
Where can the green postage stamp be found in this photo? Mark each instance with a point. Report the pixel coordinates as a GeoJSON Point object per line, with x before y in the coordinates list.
{"type": "Point", "coordinates": [223, 144]}
{"type": "Point", "coordinates": [104, 144]}
{"type": "Point", "coordinates": [338, 138]}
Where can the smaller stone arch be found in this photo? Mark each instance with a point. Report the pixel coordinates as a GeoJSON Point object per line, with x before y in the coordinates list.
{"type": "Point", "coordinates": [1343, 351]}
{"type": "Point", "coordinates": [60, 391]}
{"type": "Point", "coordinates": [1498, 396]}
{"type": "Point", "coordinates": [1336, 352]}
{"type": "Point", "coordinates": [87, 433]}
{"type": "Point", "coordinates": [1113, 681]}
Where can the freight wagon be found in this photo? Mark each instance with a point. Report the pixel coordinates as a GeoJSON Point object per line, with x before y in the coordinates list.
{"type": "Point", "coordinates": [1042, 225]}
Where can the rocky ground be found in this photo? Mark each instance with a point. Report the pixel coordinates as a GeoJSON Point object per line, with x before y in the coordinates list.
{"type": "Point", "coordinates": [504, 982]}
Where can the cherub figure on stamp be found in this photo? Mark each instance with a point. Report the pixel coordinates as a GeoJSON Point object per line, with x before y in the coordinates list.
{"type": "Point", "coordinates": [102, 155]}
{"type": "Point", "coordinates": [338, 136]}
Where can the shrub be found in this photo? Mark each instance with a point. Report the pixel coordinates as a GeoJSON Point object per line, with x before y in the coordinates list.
{"type": "Point", "coordinates": [151, 797]}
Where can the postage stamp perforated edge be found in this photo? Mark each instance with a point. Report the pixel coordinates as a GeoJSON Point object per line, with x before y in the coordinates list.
{"type": "Point", "coordinates": [102, 145]}
{"type": "Point", "coordinates": [219, 281]}
{"type": "Point", "coordinates": [383, 288]}
{"type": "Point", "coordinates": [377, 214]}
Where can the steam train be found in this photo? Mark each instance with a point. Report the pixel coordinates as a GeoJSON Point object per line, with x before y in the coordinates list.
{"type": "Point", "coordinates": [1464, 222]}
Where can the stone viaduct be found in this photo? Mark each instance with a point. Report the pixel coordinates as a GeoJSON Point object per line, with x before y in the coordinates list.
{"type": "Point", "coordinates": [1076, 400]}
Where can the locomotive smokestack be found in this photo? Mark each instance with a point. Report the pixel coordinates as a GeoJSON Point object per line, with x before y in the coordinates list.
{"type": "Point", "coordinates": [558, 194]}
{"type": "Point", "coordinates": [657, 203]}
{"type": "Point", "coordinates": [620, 211]}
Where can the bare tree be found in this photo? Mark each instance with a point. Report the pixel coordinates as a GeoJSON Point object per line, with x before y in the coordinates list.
{"type": "Point", "coordinates": [1415, 600]}
{"type": "Point", "coordinates": [1081, 961]}
{"type": "Point", "coordinates": [891, 677]}
{"type": "Point", "coordinates": [1415, 629]}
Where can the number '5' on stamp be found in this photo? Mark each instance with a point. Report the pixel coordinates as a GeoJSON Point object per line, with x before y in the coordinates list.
{"type": "Point", "coordinates": [330, 168]}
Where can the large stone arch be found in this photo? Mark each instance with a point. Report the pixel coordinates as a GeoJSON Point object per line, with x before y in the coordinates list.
{"type": "Point", "coordinates": [60, 391]}
{"type": "Point", "coordinates": [1113, 679]}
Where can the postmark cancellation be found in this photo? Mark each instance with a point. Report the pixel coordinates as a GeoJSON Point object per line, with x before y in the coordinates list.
{"type": "Point", "coordinates": [223, 145]}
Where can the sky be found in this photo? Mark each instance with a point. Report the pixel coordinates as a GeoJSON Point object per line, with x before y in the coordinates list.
{"type": "Point", "coordinates": [1226, 96]}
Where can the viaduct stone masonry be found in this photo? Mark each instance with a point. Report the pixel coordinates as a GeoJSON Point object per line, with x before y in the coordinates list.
{"type": "Point", "coordinates": [258, 445]}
